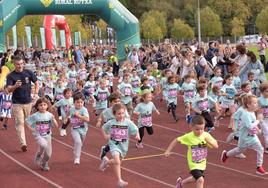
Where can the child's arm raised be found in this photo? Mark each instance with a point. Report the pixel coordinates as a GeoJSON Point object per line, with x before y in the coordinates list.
{"type": "Point", "coordinates": [170, 147]}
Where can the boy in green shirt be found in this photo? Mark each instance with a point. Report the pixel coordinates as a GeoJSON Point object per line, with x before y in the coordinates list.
{"type": "Point", "coordinates": [197, 141]}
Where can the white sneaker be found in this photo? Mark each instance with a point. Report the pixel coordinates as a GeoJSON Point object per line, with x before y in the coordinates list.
{"type": "Point", "coordinates": [122, 184]}
{"type": "Point", "coordinates": [104, 163]}
{"type": "Point", "coordinates": [63, 132]}
{"type": "Point", "coordinates": [230, 137]}
{"type": "Point", "coordinates": [240, 156]}
{"type": "Point", "coordinates": [139, 145]}
{"type": "Point", "coordinates": [77, 161]}
{"type": "Point", "coordinates": [60, 117]}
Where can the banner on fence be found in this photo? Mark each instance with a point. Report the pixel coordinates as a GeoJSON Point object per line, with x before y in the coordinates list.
{"type": "Point", "coordinates": [28, 36]}
{"type": "Point", "coordinates": [62, 38]}
{"type": "Point", "coordinates": [43, 37]}
{"type": "Point", "coordinates": [15, 37]}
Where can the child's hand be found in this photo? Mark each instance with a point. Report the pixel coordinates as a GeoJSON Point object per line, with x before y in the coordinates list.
{"type": "Point", "coordinates": [137, 137]}
{"type": "Point", "coordinates": [76, 114]}
{"type": "Point", "coordinates": [98, 124]}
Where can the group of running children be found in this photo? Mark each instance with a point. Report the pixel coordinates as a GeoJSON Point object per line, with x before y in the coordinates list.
{"type": "Point", "coordinates": [206, 102]}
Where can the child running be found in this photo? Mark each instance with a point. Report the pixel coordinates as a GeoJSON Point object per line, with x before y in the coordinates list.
{"type": "Point", "coordinates": [248, 138]}
{"type": "Point", "coordinates": [263, 103]}
{"type": "Point", "coordinates": [79, 119]}
{"type": "Point", "coordinates": [6, 103]}
{"type": "Point", "coordinates": [118, 131]}
{"type": "Point", "coordinates": [65, 106]}
{"type": "Point", "coordinates": [40, 124]}
{"type": "Point", "coordinates": [144, 110]}
{"type": "Point", "coordinates": [172, 96]}
{"type": "Point", "coordinates": [197, 141]}
{"type": "Point", "coordinates": [189, 90]}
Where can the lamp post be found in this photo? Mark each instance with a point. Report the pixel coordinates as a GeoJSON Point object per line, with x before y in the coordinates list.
{"type": "Point", "coordinates": [198, 22]}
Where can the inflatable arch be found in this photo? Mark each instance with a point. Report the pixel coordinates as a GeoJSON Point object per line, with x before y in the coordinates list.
{"type": "Point", "coordinates": [51, 21]}
{"type": "Point", "coordinates": [112, 12]}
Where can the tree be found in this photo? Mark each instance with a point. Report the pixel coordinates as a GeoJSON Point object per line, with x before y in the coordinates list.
{"type": "Point", "coordinates": [181, 30]}
{"type": "Point", "coordinates": [210, 23]}
{"type": "Point", "coordinates": [261, 20]}
{"type": "Point", "coordinates": [238, 27]}
{"type": "Point", "coordinates": [159, 20]}
{"type": "Point", "coordinates": [150, 29]}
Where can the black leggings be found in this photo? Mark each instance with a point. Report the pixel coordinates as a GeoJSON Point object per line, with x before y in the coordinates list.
{"type": "Point", "coordinates": [65, 125]}
{"type": "Point", "coordinates": [149, 130]}
{"type": "Point", "coordinates": [208, 118]}
{"type": "Point", "coordinates": [173, 108]}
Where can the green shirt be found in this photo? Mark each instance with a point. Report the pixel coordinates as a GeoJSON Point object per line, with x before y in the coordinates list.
{"type": "Point", "coordinates": [197, 149]}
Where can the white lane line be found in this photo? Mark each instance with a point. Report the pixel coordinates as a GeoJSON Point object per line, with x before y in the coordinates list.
{"type": "Point", "coordinates": [126, 169]}
{"type": "Point", "coordinates": [212, 164]}
{"type": "Point", "coordinates": [177, 131]}
{"type": "Point", "coordinates": [30, 170]}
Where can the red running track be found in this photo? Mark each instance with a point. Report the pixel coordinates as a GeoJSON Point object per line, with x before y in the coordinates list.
{"type": "Point", "coordinates": [17, 169]}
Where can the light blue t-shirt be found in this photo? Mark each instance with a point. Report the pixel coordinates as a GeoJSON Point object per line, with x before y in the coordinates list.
{"type": "Point", "coordinates": [41, 122]}
{"type": "Point", "coordinates": [102, 96]}
{"type": "Point", "coordinates": [263, 103]}
{"type": "Point", "coordinates": [145, 114]}
{"type": "Point", "coordinates": [90, 87]}
{"type": "Point", "coordinates": [172, 93]}
{"type": "Point", "coordinates": [216, 80]}
{"type": "Point", "coordinates": [59, 93]}
{"type": "Point", "coordinates": [203, 103]}
{"type": "Point", "coordinates": [231, 92]}
{"type": "Point", "coordinates": [65, 106]}
{"type": "Point", "coordinates": [237, 82]}
{"type": "Point", "coordinates": [189, 90]}
{"type": "Point", "coordinates": [126, 91]}
{"type": "Point", "coordinates": [247, 132]}
{"type": "Point", "coordinates": [119, 135]}
{"type": "Point", "coordinates": [135, 83]}
{"type": "Point", "coordinates": [76, 123]}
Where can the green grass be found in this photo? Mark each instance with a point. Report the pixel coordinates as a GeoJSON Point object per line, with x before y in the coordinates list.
{"type": "Point", "coordinates": [254, 48]}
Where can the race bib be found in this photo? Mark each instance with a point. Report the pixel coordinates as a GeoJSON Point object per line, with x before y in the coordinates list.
{"type": "Point", "coordinates": [72, 80]}
{"type": "Point", "coordinates": [253, 131]}
{"type": "Point", "coordinates": [102, 96]}
{"type": "Point", "coordinates": [199, 153]}
{"type": "Point", "coordinates": [127, 91]}
{"type": "Point", "coordinates": [218, 83]}
{"type": "Point", "coordinates": [135, 84]}
{"type": "Point", "coordinates": [189, 94]}
{"type": "Point", "coordinates": [172, 93]}
{"type": "Point", "coordinates": [146, 120]}
{"type": "Point", "coordinates": [76, 123]}
{"type": "Point", "coordinates": [119, 133]}
{"type": "Point", "coordinates": [91, 90]}
{"type": "Point", "coordinates": [230, 93]}
{"type": "Point", "coordinates": [48, 90]}
{"type": "Point", "coordinates": [59, 97]}
{"type": "Point", "coordinates": [7, 105]}
{"type": "Point", "coordinates": [42, 128]}
{"type": "Point", "coordinates": [203, 105]}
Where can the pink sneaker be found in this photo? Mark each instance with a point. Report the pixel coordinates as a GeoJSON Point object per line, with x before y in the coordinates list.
{"type": "Point", "coordinates": [139, 145]}
{"type": "Point", "coordinates": [224, 156]}
{"type": "Point", "coordinates": [178, 183]}
{"type": "Point", "coordinates": [260, 170]}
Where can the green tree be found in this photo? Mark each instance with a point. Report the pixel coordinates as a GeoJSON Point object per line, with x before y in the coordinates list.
{"type": "Point", "coordinates": [238, 27]}
{"type": "Point", "coordinates": [261, 20]}
{"type": "Point", "coordinates": [181, 30]}
{"type": "Point", "coordinates": [159, 20]}
{"type": "Point", "coordinates": [150, 29]}
{"type": "Point", "coordinates": [210, 23]}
